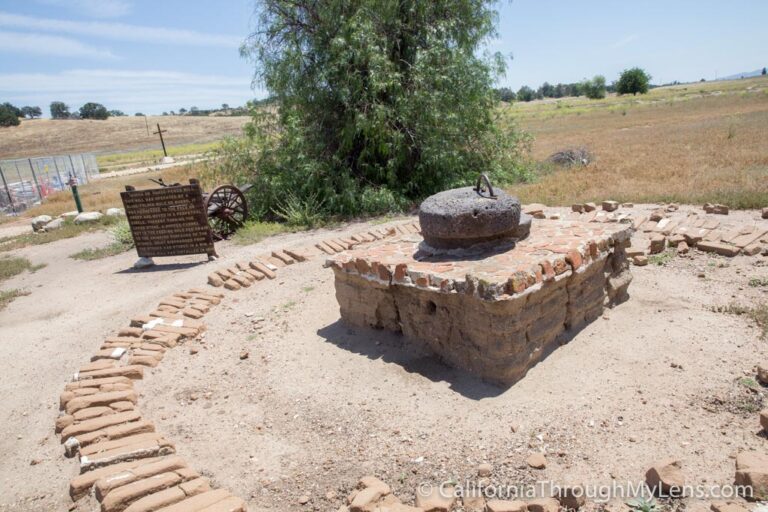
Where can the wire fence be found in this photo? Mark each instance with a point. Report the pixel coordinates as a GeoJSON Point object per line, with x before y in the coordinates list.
{"type": "Point", "coordinates": [28, 181]}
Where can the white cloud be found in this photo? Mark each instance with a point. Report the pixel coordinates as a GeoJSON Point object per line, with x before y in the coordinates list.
{"type": "Point", "coordinates": [119, 31]}
{"type": "Point", "coordinates": [94, 8]}
{"type": "Point", "coordinates": [624, 41]}
{"type": "Point", "coordinates": [49, 46]}
{"type": "Point", "coordinates": [131, 91]}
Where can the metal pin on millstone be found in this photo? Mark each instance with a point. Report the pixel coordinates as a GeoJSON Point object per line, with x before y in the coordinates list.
{"type": "Point", "coordinates": [479, 188]}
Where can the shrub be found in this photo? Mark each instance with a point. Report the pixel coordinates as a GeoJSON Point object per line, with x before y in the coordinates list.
{"type": "Point", "coordinates": [59, 110]}
{"type": "Point", "coordinates": [594, 89]}
{"type": "Point", "coordinates": [373, 111]}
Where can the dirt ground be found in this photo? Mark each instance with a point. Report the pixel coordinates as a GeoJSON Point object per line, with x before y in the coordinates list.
{"type": "Point", "coordinates": [317, 405]}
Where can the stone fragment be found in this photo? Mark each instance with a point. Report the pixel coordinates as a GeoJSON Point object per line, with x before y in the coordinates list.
{"type": "Point", "coordinates": [543, 505]}
{"type": "Point", "coordinates": [589, 207]}
{"type": "Point", "coordinates": [39, 222]}
{"type": "Point", "coordinates": [762, 373]}
{"type": "Point", "coordinates": [720, 248]}
{"type": "Point", "coordinates": [571, 497]}
{"type": "Point", "coordinates": [665, 475]}
{"type": "Point", "coordinates": [764, 419]}
{"type": "Point", "coordinates": [640, 260]}
{"type": "Point", "coordinates": [752, 471]}
{"type": "Point", "coordinates": [658, 244]}
{"type": "Point", "coordinates": [577, 207]}
{"type": "Point", "coordinates": [752, 250]}
{"type": "Point", "coordinates": [484, 469]}
{"type": "Point", "coordinates": [505, 506]}
{"type": "Point", "coordinates": [86, 217]}
{"type": "Point", "coordinates": [537, 461]}
{"type": "Point", "coordinates": [610, 206]}
{"type": "Point", "coordinates": [718, 209]}
{"type": "Point", "coordinates": [682, 248]}
{"type": "Point", "coordinates": [435, 498]}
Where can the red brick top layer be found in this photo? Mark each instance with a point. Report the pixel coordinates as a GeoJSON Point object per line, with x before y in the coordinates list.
{"type": "Point", "coordinates": [553, 249]}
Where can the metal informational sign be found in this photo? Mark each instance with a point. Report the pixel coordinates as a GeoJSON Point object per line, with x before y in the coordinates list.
{"type": "Point", "coordinates": [168, 221]}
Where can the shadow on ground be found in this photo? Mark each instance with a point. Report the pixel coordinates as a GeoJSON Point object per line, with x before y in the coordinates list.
{"type": "Point", "coordinates": [396, 349]}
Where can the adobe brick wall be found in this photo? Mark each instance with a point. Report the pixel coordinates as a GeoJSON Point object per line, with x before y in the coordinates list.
{"type": "Point", "coordinates": [493, 329]}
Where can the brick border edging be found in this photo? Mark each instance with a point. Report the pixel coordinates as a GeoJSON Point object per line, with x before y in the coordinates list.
{"type": "Point", "coordinates": [127, 464]}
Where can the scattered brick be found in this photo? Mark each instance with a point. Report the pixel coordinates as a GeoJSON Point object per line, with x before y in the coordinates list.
{"type": "Point", "coordinates": [132, 372]}
{"type": "Point", "coordinates": [93, 412]}
{"type": "Point", "coordinates": [82, 402]}
{"type": "Point", "coordinates": [241, 280]}
{"type": "Point", "coordinates": [130, 332]}
{"type": "Point", "coordinates": [297, 254]}
{"type": "Point", "coordinates": [640, 260]}
{"type": "Point", "coordinates": [610, 206]}
{"type": "Point", "coordinates": [112, 432]}
{"type": "Point", "coordinates": [109, 353]}
{"type": "Point", "coordinates": [283, 257]}
{"type": "Point", "coordinates": [137, 450]}
{"type": "Point", "coordinates": [261, 267]}
{"type": "Point", "coordinates": [81, 484]}
{"type": "Point", "coordinates": [98, 423]}
{"type": "Point", "coordinates": [752, 471]}
{"type": "Point", "coordinates": [718, 248]}
{"type": "Point", "coordinates": [665, 475]}
{"type": "Point", "coordinates": [658, 244]}
{"type": "Point", "coordinates": [589, 207]}
{"type": "Point", "coordinates": [97, 382]}
{"type": "Point", "coordinates": [150, 361]}
{"type": "Point", "coordinates": [104, 485]}
{"type": "Point", "coordinates": [752, 250]}
{"type": "Point", "coordinates": [682, 248]}
{"type": "Point", "coordinates": [199, 502]}
{"type": "Point", "coordinates": [118, 499]}
{"type": "Point", "coordinates": [170, 496]}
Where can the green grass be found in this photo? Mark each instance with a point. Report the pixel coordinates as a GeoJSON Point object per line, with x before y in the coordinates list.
{"type": "Point", "coordinates": [151, 156]}
{"type": "Point", "coordinates": [254, 231]}
{"type": "Point", "coordinates": [68, 230]}
{"type": "Point", "coordinates": [91, 254]}
{"type": "Point", "coordinates": [123, 241]}
{"type": "Point", "coordinates": [663, 258]}
{"type": "Point", "coordinates": [13, 266]}
{"type": "Point", "coordinates": [757, 282]}
{"type": "Point", "coordinates": [7, 296]}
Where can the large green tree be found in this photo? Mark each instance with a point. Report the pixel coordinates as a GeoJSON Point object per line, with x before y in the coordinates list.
{"type": "Point", "coordinates": [378, 100]}
{"type": "Point", "coordinates": [94, 111]}
{"type": "Point", "coordinates": [633, 81]}
{"type": "Point", "coordinates": [9, 115]}
{"type": "Point", "coordinates": [59, 110]}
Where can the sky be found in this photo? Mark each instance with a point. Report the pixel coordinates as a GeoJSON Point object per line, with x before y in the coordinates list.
{"type": "Point", "coordinates": [153, 56]}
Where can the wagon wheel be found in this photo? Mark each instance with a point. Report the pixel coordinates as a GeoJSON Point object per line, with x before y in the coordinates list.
{"type": "Point", "coordinates": [227, 210]}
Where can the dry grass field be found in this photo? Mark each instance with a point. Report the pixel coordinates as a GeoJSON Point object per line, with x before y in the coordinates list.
{"type": "Point", "coordinates": [42, 137]}
{"type": "Point", "coordinates": [689, 144]}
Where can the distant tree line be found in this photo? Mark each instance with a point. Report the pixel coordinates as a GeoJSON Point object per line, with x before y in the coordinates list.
{"type": "Point", "coordinates": [631, 81]}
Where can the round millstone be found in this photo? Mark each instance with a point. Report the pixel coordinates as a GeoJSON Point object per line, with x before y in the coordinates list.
{"type": "Point", "coordinates": [463, 217]}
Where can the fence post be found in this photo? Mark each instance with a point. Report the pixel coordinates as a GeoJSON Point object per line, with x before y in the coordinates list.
{"type": "Point", "coordinates": [7, 191]}
{"type": "Point", "coordinates": [34, 177]}
{"type": "Point", "coordinates": [61, 181]}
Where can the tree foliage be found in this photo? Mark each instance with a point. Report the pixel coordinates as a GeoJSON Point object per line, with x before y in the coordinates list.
{"type": "Point", "coordinates": [94, 111]}
{"type": "Point", "coordinates": [8, 115]}
{"type": "Point", "coordinates": [594, 89]}
{"type": "Point", "coordinates": [59, 110]}
{"type": "Point", "coordinates": [31, 112]}
{"type": "Point", "coordinates": [633, 81]}
{"type": "Point", "coordinates": [379, 102]}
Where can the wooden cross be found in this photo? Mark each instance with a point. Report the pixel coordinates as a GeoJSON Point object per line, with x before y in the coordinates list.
{"type": "Point", "coordinates": [160, 133]}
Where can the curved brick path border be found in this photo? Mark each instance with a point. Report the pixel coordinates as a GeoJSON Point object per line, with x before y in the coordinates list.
{"type": "Point", "coordinates": [127, 464]}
